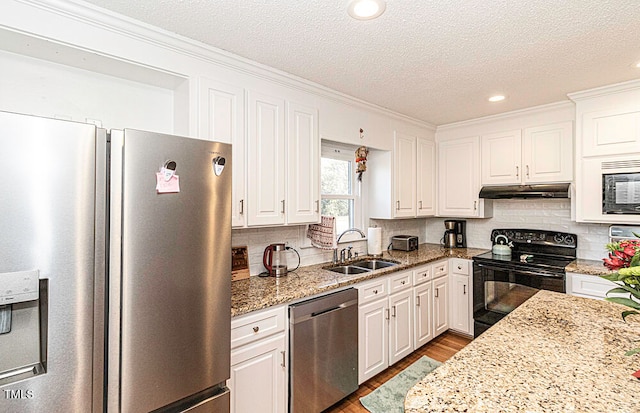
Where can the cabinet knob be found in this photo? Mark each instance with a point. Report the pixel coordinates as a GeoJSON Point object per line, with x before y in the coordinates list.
{"type": "Point", "coordinates": [459, 267]}
{"type": "Point", "coordinates": [375, 291]}
{"type": "Point", "coordinates": [255, 329]}
{"type": "Point", "coordinates": [402, 282]}
{"type": "Point", "coordinates": [464, 289]}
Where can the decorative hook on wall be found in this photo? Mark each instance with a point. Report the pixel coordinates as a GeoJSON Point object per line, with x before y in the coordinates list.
{"type": "Point", "coordinates": [361, 133]}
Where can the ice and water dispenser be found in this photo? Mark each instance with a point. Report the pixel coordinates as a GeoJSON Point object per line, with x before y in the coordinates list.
{"type": "Point", "coordinates": [22, 330]}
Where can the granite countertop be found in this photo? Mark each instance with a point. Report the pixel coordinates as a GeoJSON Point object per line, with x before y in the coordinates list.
{"type": "Point", "coordinates": [256, 293]}
{"type": "Point", "coordinates": [589, 267]}
{"type": "Point", "coordinates": [554, 353]}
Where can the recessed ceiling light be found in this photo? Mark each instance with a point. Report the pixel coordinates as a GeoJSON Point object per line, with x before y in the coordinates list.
{"type": "Point", "coordinates": [496, 98]}
{"type": "Point", "coordinates": [637, 65]}
{"type": "Point", "coordinates": [366, 9]}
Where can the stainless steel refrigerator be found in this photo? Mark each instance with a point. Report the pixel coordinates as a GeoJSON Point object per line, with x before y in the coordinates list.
{"type": "Point", "coordinates": [114, 269]}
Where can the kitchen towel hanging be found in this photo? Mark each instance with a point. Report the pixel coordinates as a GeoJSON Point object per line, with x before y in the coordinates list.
{"type": "Point", "coordinates": [323, 235]}
{"type": "Point", "coordinates": [374, 241]}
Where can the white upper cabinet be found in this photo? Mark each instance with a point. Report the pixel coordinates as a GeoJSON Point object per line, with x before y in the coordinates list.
{"type": "Point", "coordinates": [501, 159]}
{"type": "Point", "coordinates": [303, 165]}
{"type": "Point", "coordinates": [222, 118]}
{"type": "Point", "coordinates": [426, 177]}
{"type": "Point", "coordinates": [403, 181]}
{"type": "Point", "coordinates": [266, 159]}
{"type": "Point", "coordinates": [607, 141]}
{"type": "Point", "coordinates": [459, 179]}
{"type": "Point", "coordinates": [538, 154]}
{"type": "Point", "coordinates": [404, 175]}
{"type": "Point", "coordinates": [548, 153]}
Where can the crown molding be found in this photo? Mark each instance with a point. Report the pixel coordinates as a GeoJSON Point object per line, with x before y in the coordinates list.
{"type": "Point", "coordinates": [508, 115]}
{"type": "Point", "coordinates": [605, 90]}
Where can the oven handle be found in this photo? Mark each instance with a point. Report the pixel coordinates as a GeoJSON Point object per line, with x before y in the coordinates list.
{"type": "Point", "coordinates": [522, 271]}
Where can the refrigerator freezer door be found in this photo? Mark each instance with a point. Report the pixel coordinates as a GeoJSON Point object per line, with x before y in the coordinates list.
{"type": "Point", "coordinates": [173, 267]}
{"type": "Point", "coordinates": [48, 221]}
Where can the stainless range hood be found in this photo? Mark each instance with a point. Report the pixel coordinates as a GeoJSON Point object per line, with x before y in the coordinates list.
{"type": "Point", "coordinates": [526, 191]}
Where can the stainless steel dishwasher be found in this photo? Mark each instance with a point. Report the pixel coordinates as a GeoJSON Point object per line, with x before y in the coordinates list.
{"type": "Point", "coordinates": [324, 351]}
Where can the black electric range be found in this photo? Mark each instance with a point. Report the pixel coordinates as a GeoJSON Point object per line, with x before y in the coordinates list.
{"type": "Point", "coordinates": [502, 282]}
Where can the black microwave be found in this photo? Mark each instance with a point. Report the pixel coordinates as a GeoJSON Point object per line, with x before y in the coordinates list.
{"type": "Point", "coordinates": [621, 193]}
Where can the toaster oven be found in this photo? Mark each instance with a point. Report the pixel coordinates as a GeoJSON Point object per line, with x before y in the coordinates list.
{"type": "Point", "coordinates": [404, 242]}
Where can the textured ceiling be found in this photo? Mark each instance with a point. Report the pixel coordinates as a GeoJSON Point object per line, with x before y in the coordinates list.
{"type": "Point", "coordinates": [435, 60]}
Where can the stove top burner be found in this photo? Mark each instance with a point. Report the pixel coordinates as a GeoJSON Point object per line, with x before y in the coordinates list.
{"type": "Point", "coordinates": [534, 250]}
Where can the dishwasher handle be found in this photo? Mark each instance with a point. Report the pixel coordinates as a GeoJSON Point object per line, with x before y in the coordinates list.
{"type": "Point", "coordinates": [320, 306]}
{"type": "Point", "coordinates": [303, 318]}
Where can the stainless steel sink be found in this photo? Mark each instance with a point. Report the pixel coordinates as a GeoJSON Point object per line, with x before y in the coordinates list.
{"type": "Point", "coordinates": [348, 269]}
{"type": "Point", "coordinates": [374, 264]}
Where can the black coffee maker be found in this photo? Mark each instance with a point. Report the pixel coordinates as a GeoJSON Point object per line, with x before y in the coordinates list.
{"type": "Point", "coordinates": [455, 233]}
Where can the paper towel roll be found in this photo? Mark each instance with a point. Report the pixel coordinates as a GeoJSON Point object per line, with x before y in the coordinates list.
{"type": "Point", "coordinates": [374, 241]}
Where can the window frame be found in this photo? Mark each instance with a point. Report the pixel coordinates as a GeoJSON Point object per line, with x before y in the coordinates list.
{"type": "Point", "coordinates": [343, 152]}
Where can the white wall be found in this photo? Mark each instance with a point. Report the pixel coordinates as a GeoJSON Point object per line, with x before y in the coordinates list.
{"type": "Point", "coordinates": [38, 87]}
{"type": "Point", "coordinates": [552, 215]}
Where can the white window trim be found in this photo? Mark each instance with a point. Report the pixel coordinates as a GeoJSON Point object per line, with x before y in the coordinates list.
{"type": "Point", "coordinates": [347, 152]}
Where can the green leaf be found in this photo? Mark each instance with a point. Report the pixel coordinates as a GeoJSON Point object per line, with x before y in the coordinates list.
{"type": "Point", "coordinates": [632, 352]}
{"type": "Point", "coordinates": [635, 261]}
{"type": "Point", "coordinates": [628, 313]}
{"type": "Point", "coordinates": [611, 277]}
{"type": "Point", "coordinates": [636, 235]}
{"type": "Point", "coordinates": [624, 289]}
{"type": "Point", "coordinates": [624, 301]}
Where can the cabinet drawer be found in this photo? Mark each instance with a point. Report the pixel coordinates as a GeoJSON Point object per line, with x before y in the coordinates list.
{"type": "Point", "coordinates": [460, 266]}
{"type": "Point", "coordinates": [422, 274]}
{"type": "Point", "coordinates": [254, 326]}
{"type": "Point", "coordinates": [440, 269]}
{"type": "Point", "coordinates": [373, 290]}
{"type": "Point", "coordinates": [588, 285]}
{"type": "Point", "coordinates": [400, 281]}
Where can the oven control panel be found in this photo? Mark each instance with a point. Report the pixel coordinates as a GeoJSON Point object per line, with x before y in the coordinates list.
{"type": "Point", "coordinates": [528, 236]}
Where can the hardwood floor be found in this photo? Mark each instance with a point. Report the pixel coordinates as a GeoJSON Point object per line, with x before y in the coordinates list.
{"type": "Point", "coordinates": [441, 348]}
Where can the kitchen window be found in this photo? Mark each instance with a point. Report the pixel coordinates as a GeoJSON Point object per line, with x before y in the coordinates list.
{"type": "Point", "coordinates": [340, 191]}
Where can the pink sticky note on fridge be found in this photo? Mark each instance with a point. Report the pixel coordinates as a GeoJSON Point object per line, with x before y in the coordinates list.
{"type": "Point", "coordinates": [164, 186]}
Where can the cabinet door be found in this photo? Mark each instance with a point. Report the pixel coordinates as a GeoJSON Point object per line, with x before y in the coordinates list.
{"type": "Point", "coordinates": [459, 178]}
{"type": "Point", "coordinates": [258, 379]}
{"type": "Point", "coordinates": [400, 325]}
{"type": "Point", "coordinates": [222, 119]}
{"type": "Point", "coordinates": [501, 158]}
{"type": "Point", "coordinates": [460, 305]}
{"type": "Point", "coordinates": [266, 160]}
{"type": "Point", "coordinates": [548, 153]}
{"type": "Point", "coordinates": [303, 172]}
{"type": "Point", "coordinates": [426, 177]}
{"type": "Point", "coordinates": [423, 323]}
{"type": "Point", "coordinates": [440, 305]}
{"type": "Point", "coordinates": [373, 339]}
{"type": "Point", "coordinates": [404, 175]}
{"type": "Point", "coordinates": [612, 131]}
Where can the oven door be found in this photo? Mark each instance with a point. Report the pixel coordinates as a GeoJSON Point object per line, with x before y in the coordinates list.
{"type": "Point", "coordinates": [499, 289]}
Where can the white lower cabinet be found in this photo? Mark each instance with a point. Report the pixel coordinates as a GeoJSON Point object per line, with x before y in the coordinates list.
{"type": "Point", "coordinates": [461, 296]}
{"type": "Point", "coordinates": [373, 339]}
{"type": "Point", "coordinates": [259, 367]}
{"type": "Point", "coordinates": [589, 286]}
{"type": "Point", "coordinates": [400, 325]}
{"type": "Point", "coordinates": [440, 305]}
{"type": "Point", "coordinates": [423, 302]}
{"type": "Point", "coordinates": [385, 323]}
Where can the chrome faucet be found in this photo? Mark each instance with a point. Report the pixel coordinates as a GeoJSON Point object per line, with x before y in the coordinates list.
{"type": "Point", "coordinates": [335, 250]}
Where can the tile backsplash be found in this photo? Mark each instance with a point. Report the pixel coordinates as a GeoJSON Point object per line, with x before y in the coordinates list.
{"type": "Point", "coordinates": [553, 215]}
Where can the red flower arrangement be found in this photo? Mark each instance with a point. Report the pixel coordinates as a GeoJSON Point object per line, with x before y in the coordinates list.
{"type": "Point", "coordinates": [621, 254]}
